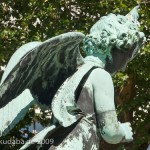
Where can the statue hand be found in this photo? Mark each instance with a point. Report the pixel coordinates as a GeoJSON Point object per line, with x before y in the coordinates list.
{"type": "Point", "coordinates": [126, 127]}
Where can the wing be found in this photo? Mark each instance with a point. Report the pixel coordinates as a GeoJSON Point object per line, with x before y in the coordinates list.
{"type": "Point", "coordinates": [15, 111]}
{"type": "Point", "coordinates": [42, 68]}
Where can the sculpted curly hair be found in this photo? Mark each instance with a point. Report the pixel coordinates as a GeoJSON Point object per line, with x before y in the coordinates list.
{"type": "Point", "coordinates": [114, 32]}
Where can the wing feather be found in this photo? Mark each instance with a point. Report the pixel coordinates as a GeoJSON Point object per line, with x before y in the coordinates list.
{"type": "Point", "coordinates": [15, 111]}
{"type": "Point", "coordinates": [43, 68]}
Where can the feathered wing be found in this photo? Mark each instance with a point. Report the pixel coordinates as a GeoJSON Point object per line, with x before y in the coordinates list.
{"type": "Point", "coordinates": [43, 68]}
{"type": "Point", "coordinates": [36, 71]}
{"type": "Point", "coordinates": [15, 111]}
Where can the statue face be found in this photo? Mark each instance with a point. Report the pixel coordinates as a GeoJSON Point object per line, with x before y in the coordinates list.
{"type": "Point", "coordinates": [119, 60]}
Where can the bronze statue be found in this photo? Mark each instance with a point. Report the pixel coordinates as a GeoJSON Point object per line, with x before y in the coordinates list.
{"type": "Point", "coordinates": [78, 90]}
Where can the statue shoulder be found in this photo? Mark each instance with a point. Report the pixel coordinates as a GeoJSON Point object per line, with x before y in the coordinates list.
{"type": "Point", "coordinates": [100, 77]}
{"type": "Point", "coordinates": [100, 73]}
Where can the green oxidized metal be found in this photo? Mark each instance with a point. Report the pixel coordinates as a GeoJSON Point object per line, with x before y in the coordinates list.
{"type": "Point", "coordinates": [48, 74]}
{"type": "Point", "coordinates": [114, 31]}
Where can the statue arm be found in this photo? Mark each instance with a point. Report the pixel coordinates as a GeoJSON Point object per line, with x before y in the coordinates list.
{"type": "Point", "coordinates": [110, 128]}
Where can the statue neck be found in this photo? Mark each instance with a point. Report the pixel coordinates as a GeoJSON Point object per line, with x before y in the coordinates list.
{"type": "Point", "coordinates": [101, 58]}
{"type": "Point", "coordinates": [94, 59]}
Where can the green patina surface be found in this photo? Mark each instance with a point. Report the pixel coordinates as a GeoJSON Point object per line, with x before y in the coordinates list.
{"type": "Point", "coordinates": [114, 31]}
{"type": "Point", "coordinates": [54, 59]}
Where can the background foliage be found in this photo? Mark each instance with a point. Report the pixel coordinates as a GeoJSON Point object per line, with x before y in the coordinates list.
{"type": "Point", "coordinates": [23, 21]}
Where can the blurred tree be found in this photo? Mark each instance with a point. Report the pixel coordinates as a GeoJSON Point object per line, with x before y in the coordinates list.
{"type": "Point", "coordinates": [34, 20]}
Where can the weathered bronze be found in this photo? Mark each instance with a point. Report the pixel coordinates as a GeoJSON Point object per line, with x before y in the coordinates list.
{"type": "Point", "coordinates": [78, 90]}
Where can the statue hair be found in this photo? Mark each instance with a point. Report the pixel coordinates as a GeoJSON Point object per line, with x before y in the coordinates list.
{"type": "Point", "coordinates": [113, 32]}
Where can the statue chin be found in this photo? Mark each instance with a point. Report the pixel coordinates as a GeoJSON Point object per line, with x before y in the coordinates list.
{"type": "Point", "coordinates": [113, 69]}
{"type": "Point", "coordinates": [110, 68]}
{"type": "Point", "coordinates": [117, 64]}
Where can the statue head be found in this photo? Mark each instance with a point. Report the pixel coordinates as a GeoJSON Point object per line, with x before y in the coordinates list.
{"type": "Point", "coordinates": [115, 39]}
